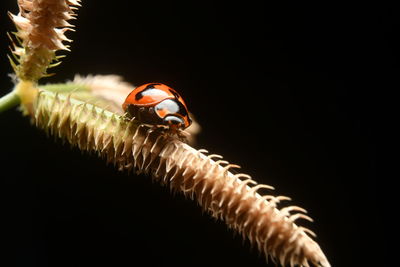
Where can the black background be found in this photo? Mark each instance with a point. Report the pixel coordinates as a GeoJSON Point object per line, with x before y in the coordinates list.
{"type": "Point", "coordinates": [292, 93]}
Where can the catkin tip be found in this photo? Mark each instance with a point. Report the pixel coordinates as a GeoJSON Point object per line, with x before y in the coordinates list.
{"type": "Point", "coordinates": [41, 27]}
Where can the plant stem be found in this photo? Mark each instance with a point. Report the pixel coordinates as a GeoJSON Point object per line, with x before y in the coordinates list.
{"type": "Point", "coordinates": [8, 101]}
{"type": "Point", "coordinates": [64, 87]}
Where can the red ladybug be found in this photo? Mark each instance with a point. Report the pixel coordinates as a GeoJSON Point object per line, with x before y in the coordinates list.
{"type": "Point", "coordinates": [157, 104]}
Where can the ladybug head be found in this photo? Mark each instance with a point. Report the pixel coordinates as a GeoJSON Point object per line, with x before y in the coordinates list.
{"type": "Point", "coordinates": [174, 121]}
{"type": "Point", "coordinates": [173, 113]}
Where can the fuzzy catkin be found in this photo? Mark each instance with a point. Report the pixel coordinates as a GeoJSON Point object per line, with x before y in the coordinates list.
{"type": "Point", "coordinates": [230, 197]}
{"type": "Point", "coordinates": [41, 27]}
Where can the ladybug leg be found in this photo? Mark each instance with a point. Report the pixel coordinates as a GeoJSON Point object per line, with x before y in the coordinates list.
{"type": "Point", "coordinates": [159, 129]}
{"type": "Point", "coordinates": [156, 128]}
{"type": "Point", "coordinates": [181, 134]}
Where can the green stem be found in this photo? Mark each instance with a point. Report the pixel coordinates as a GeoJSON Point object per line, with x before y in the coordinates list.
{"type": "Point", "coordinates": [8, 101]}
{"type": "Point", "coordinates": [64, 87]}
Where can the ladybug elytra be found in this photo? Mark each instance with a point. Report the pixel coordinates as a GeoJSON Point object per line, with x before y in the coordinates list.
{"type": "Point", "coordinates": [157, 104]}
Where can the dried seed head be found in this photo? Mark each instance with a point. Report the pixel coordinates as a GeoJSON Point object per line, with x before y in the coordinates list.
{"type": "Point", "coordinates": [41, 27]}
{"type": "Point", "coordinates": [111, 88]}
{"type": "Point", "coordinates": [227, 196]}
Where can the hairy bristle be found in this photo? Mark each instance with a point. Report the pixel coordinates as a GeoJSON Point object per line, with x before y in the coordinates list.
{"type": "Point", "coordinates": [208, 179]}
{"type": "Point", "coordinates": [41, 27]}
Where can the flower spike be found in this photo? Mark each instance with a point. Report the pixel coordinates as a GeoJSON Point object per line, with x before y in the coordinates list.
{"type": "Point", "coordinates": [41, 27]}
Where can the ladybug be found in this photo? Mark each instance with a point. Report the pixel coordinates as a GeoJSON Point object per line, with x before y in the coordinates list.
{"type": "Point", "coordinates": [157, 104]}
